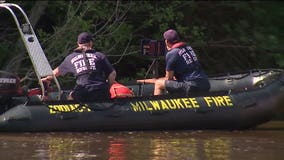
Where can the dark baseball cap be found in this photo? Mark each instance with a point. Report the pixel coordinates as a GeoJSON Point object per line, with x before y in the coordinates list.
{"type": "Point", "coordinates": [171, 35]}
{"type": "Point", "coordinates": [84, 37]}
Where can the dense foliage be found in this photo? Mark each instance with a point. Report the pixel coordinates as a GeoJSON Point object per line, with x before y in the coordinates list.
{"type": "Point", "coordinates": [227, 35]}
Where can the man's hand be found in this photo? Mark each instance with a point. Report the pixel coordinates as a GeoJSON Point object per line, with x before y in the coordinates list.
{"type": "Point", "coordinates": [46, 79]}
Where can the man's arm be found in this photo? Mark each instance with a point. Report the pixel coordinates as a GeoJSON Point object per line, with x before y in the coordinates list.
{"type": "Point", "coordinates": [169, 75]}
{"type": "Point", "coordinates": [111, 78]}
{"type": "Point", "coordinates": [49, 78]}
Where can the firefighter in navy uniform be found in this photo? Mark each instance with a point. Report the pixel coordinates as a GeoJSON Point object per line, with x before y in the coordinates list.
{"type": "Point", "coordinates": [93, 71]}
{"type": "Point", "coordinates": [183, 70]}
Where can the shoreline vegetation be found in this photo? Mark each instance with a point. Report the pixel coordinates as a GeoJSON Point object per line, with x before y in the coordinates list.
{"type": "Point", "coordinates": [276, 124]}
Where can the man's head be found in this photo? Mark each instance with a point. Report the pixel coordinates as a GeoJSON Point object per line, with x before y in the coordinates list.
{"type": "Point", "coordinates": [171, 36]}
{"type": "Point", "coordinates": [84, 38]}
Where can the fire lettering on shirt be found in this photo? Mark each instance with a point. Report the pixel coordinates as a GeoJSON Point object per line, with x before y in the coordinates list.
{"type": "Point", "coordinates": [80, 64]}
{"type": "Point", "coordinates": [188, 55]}
{"type": "Point", "coordinates": [76, 58]}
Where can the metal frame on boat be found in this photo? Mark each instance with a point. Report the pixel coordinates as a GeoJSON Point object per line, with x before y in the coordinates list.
{"type": "Point", "coordinates": [41, 65]}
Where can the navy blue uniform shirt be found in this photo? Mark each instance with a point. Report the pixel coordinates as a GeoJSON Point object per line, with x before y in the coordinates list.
{"type": "Point", "coordinates": [94, 75]}
{"type": "Point", "coordinates": [183, 61]}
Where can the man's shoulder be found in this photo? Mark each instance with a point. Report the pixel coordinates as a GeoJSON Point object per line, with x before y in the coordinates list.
{"type": "Point", "coordinates": [99, 54]}
{"type": "Point", "coordinates": [173, 52]}
{"type": "Point", "coordinates": [72, 54]}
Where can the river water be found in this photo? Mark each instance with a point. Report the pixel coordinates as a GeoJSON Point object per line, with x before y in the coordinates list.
{"type": "Point", "coordinates": [265, 142]}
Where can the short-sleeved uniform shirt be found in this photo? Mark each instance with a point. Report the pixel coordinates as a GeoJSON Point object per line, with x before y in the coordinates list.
{"type": "Point", "coordinates": [91, 76]}
{"type": "Point", "coordinates": [184, 62]}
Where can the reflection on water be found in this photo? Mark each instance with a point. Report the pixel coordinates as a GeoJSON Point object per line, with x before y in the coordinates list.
{"type": "Point", "coordinates": [217, 148]}
{"type": "Point", "coordinates": [260, 144]}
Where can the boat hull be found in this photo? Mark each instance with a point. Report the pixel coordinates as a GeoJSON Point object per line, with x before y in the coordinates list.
{"type": "Point", "coordinates": [229, 110]}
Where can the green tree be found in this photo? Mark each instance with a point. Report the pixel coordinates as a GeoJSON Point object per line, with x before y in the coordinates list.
{"type": "Point", "coordinates": [227, 35]}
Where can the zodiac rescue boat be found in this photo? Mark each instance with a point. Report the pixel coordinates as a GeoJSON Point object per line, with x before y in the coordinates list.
{"type": "Point", "coordinates": [235, 101]}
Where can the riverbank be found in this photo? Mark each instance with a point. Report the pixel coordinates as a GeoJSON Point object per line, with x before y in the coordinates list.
{"type": "Point", "coordinates": [272, 125]}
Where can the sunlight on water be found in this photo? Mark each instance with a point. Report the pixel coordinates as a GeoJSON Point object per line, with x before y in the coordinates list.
{"type": "Point", "coordinates": [258, 144]}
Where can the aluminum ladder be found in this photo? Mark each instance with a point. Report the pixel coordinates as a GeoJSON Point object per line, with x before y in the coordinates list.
{"type": "Point", "coordinates": [40, 63]}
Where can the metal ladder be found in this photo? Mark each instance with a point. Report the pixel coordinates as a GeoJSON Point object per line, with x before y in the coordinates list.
{"type": "Point", "coordinates": [40, 63]}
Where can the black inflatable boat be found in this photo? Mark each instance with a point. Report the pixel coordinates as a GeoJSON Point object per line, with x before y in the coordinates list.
{"type": "Point", "coordinates": [235, 101]}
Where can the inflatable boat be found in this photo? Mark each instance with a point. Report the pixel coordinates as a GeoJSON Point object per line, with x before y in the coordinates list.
{"type": "Point", "coordinates": [235, 101]}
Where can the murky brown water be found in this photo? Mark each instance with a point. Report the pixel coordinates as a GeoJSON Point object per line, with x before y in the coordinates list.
{"type": "Point", "coordinates": [264, 143]}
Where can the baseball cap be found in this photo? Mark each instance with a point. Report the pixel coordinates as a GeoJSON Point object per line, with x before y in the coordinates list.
{"type": "Point", "coordinates": [171, 35]}
{"type": "Point", "coordinates": [84, 37]}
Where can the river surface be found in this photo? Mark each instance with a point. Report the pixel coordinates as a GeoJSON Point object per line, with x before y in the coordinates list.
{"type": "Point", "coordinates": [265, 142]}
